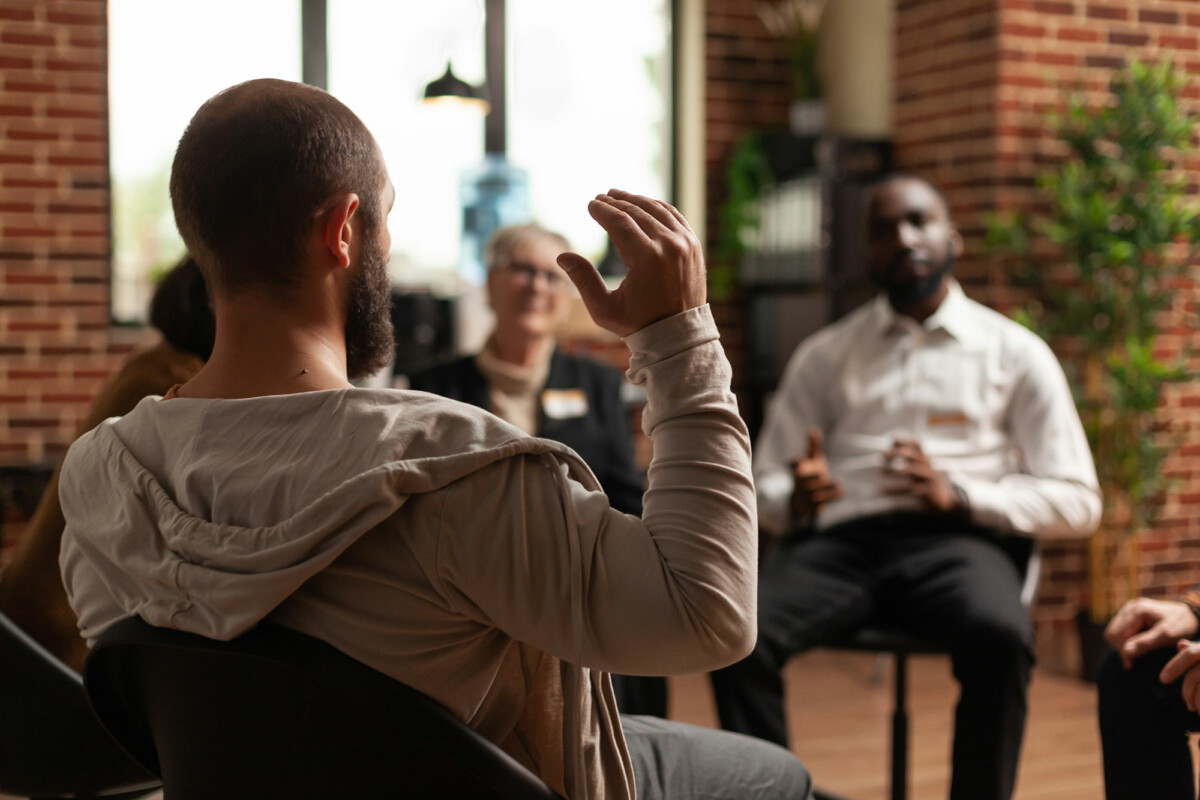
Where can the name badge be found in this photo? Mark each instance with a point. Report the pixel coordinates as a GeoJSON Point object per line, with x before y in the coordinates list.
{"type": "Point", "coordinates": [564, 403]}
{"type": "Point", "coordinates": [947, 419]}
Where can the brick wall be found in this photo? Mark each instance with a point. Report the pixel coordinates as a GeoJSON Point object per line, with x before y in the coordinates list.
{"type": "Point", "coordinates": [747, 88]}
{"type": "Point", "coordinates": [974, 79]}
{"type": "Point", "coordinates": [55, 343]}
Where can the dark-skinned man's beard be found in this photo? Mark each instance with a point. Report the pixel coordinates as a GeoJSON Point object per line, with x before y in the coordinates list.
{"type": "Point", "coordinates": [369, 338]}
{"type": "Point", "coordinates": [915, 292]}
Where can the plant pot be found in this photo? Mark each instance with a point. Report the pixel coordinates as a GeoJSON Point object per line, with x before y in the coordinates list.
{"type": "Point", "coordinates": [1092, 647]}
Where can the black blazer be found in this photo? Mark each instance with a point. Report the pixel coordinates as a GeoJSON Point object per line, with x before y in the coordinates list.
{"type": "Point", "coordinates": [600, 434]}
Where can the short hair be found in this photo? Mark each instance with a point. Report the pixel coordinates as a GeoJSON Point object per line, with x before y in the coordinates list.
{"type": "Point", "coordinates": [500, 245]}
{"type": "Point", "coordinates": [894, 176]}
{"type": "Point", "coordinates": [181, 312]}
{"type": "Point", "coordinates": [254, 165]}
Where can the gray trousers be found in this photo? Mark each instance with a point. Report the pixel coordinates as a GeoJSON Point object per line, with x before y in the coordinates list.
{"type": "Point", "coordinates": [675, 761]}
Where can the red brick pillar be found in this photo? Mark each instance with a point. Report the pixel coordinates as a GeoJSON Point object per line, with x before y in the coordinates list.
{"type": "Point", "coordinates": [748, 87]}
{"type": "Point", "coordinates": [974, 80]}
{"type": "Point", "coordinates": [54, 223]}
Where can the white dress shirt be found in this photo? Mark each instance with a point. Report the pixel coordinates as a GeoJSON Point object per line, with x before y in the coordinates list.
{"type": "Point", "coordinates": [983, 396]}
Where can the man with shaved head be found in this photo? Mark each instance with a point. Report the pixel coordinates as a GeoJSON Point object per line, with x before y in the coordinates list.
{"type": "Point", "coordinates": [910, 448]}
{"type": "Point", "coordinates": [421, 536]}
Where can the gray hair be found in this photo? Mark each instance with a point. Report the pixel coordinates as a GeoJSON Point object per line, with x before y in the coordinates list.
{"type": "Point", "coordinates": [501, 244]}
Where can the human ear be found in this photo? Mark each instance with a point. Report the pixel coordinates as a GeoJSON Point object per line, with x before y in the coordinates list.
{"type": "Point", "coordinates": [956, 242]}
{"type": "Point", "coordinates": [490, 287]}
{"type": "Point", "coordinates": [337, 232]}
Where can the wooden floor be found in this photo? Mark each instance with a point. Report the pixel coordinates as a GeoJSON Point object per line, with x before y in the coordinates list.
{"type": "Point", "coordinates": [839, 707]}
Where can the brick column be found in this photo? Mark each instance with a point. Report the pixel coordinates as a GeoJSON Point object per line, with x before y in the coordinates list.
{"type": "Point", "coordinates": [55, 346]}
{"type": "Point", "coordinates": [974, 80]}
{"type": "Point", "coordinates": [748, 87]}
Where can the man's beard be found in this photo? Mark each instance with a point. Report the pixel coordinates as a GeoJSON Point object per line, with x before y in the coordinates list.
{"type": "Point", "coordinates": [370, 342]}
{"type": "Point", "coordinates": [915, 292]}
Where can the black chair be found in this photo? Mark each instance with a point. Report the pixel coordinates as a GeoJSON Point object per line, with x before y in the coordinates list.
{"type": "Point", "coordinates": [900, 645]}
{"type": "Point", "coordinates": [51, 745]}
{"type": "Point", "coordinates": [278, 714]}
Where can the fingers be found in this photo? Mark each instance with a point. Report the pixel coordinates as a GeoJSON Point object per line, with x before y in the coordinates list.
{"type": "Point", "coordinates": [827, 493]}
{"type": "Point", "coordinates": [1187, 657]}
{"type": "Point", "coordinates": [812, 493]}
{"type": "Point", "coordinates": [1140, 644]}
{"type": "Point", "coordinates": [627, 233]}
{"type": "Point", "coordinates": [664, 213]}
{"type": "Point", "coordinates": [904, 449]}
{"type": "Point", "coordinates": [816, 442]}
{"type": "Point", "coordinates": [1128, 621]}
{"type": "Point", "coordinates": [820, 484]}
{"type": "Point", "coordinates": [596, 296]}
{"type": "Point", "coordinates": [1191, 689]}
{"type": "Point", "coordinates": [675, 213]}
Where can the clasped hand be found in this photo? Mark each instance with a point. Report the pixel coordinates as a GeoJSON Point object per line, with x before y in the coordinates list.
{"type": "Point", "coordinates": [1143, 625]}
{"type": "Point", "coordinates": [906, 464]}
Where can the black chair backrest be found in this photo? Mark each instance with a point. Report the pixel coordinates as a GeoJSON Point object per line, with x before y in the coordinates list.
{"type": "Point", "coordinates": [279, 714]}
{"type": "Point", "coordinates": [51, 744]}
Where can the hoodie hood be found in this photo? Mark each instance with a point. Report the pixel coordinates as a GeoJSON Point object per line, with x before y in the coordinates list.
{"type": "Point", "coordinates": [204, 515]}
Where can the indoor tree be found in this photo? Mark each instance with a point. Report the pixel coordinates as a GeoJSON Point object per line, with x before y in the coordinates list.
{"type": "Point", "coordinates": [1123, 230]}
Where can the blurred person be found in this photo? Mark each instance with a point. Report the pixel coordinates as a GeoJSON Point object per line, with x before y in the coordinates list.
{"type": "Point", "coordinates": [426, 538]}
{"type": "Point", "coordinates": [31, 589]}
{"type": "Point", "coordinates": [525, 379]}
{"type": "Point", "coordinates": [906, 445]}
{"type": "Point", "coordinates": [1149, 693]}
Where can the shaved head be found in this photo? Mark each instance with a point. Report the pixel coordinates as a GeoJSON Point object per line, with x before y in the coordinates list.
{"type": "Point", "coordinates": [256, 163]}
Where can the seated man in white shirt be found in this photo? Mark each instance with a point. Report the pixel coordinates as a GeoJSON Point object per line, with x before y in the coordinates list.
{"type": "Point", "coordinates": [424, 537]}
{"type": "Point", "coordinates": [907, 442]}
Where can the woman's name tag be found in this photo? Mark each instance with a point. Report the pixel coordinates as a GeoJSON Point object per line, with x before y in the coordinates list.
{"type": "Point", "coordinates": [564, 403]}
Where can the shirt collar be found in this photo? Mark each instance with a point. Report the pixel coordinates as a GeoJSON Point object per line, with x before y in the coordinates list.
{"type": "Point", "coordinates": [952, 316]}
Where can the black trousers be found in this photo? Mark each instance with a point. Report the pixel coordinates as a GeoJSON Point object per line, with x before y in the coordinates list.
{"type": "Point", "coordinates": [643, 695]}
{"type": "Point", "coordinates": [933, 576]}
{"type": "Point", "coordinates": [675, 761]}
{"type": "Point", "coordinates": [1143, 731]}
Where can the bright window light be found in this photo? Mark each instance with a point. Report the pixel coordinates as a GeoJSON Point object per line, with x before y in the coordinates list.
{"type": "Point", "coordinates": [588, 109]}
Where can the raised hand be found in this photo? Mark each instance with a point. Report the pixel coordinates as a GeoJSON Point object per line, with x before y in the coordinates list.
{"type": "Point", "coordinates": [1143, 625]}
{"type": "Point", "coordinates": [915, 476]}
{"type": "Point", "coordinates": [814, 487]}
{"type": "Point", "coordinates": [665, 259]}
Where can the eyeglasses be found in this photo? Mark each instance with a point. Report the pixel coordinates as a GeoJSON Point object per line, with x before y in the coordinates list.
{"type": "Point", "coordinates": [526, 274]}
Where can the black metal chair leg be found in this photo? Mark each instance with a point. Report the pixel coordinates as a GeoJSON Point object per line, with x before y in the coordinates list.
{"type": "Point", "coordinates": [900, 730]}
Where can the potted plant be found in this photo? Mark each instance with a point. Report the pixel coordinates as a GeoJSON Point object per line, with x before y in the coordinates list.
{"type": "Point", "coordinates": [796, 22]}
{"type": "Point", "coordinates": [747, 173]}
{"type": "Point", "coordinates": [1118, 231]}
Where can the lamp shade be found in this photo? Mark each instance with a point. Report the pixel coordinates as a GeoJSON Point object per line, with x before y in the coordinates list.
{"type": "Point", "coordinates": [451, 88]}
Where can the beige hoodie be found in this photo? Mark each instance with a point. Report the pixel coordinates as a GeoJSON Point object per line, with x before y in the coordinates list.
{"type": "Point", "coordinates": [437, 544]}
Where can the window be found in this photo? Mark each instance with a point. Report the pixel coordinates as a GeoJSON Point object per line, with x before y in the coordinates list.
{"type": "Point", "coordinates": [589, 108]}
{"type": "Point", "coordinates": [165, 59]}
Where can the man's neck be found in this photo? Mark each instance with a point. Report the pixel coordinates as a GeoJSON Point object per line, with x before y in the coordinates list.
{"type": "Point", "coordinates": [267, 348]}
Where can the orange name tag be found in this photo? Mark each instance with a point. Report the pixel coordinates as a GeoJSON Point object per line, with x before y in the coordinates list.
{"type": "Point", "coordinates": [947, 419]}
{"type": "Point", "coordinates": [564, 403]}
